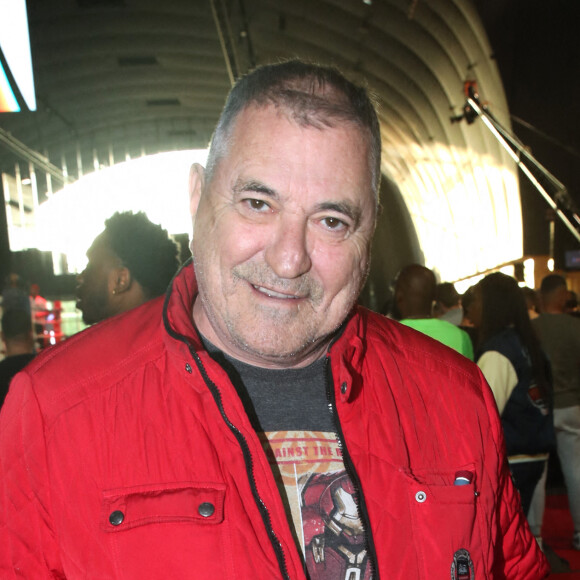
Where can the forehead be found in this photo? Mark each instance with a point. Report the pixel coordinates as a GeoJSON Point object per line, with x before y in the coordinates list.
{"type": "Point", "coordinates": [100, 249]}
{"type": "Point", "coordinates": [269, 139]}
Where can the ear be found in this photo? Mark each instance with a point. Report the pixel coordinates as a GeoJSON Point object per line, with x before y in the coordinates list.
{"type": "Point", "coordinates": [196, 183]}
{"type": "Point", "coordinates": [120, 280]}
{"type": "Point", "coordinates": [399, 297]}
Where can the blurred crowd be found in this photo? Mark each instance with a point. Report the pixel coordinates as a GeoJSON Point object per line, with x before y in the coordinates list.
{"type": "Point", "coordinates": [526, 343]}
{"type": "Point", "coordinates": [129, 263]}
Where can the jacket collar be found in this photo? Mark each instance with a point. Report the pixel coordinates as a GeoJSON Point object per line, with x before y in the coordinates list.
{"type": "Point", "coordinates": [346, 354]}
{"type": "Point", "coordinates": [178, 308]}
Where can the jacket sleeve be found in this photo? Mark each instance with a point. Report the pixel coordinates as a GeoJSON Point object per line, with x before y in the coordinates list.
{"type": "Point", "coordinates": [28, 548]}
{"type": "Point", "coordinates": [517, 554]}
{"type": "Point", "coordinates": [500, 375]}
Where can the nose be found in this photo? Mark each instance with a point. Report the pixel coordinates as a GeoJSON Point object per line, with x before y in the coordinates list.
{"type": "Point", "coordinates": [288, 254]}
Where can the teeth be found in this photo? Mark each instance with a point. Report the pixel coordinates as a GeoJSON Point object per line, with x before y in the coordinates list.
{"type": "Point", "coordinates": [271, 293]}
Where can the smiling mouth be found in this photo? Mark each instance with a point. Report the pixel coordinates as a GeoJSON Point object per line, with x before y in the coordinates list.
{"type": "Point", "coordinates": [274, 294]}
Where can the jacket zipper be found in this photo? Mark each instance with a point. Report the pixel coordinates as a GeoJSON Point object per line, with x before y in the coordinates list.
{"type": "Point", "coordinates": [351, 472]}
{"type": "Point", "coordinates": [216, 393]}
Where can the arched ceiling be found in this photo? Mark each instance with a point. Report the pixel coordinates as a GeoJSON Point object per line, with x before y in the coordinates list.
{"type": "Point", "coordinates": [119, 78]}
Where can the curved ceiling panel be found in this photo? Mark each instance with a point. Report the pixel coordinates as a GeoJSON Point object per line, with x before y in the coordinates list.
{"type": "Point", "coordinates": [119, 78]}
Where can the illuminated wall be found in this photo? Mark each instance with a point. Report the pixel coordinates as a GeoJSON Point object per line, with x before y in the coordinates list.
{"type": "Point", "coordinates": [156, 184]}
{"type": "Point", "coordinates": [466, 210]}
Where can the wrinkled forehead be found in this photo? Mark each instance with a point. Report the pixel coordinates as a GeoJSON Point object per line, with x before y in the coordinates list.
{"type": "Point", "coordinates": [242, 131]}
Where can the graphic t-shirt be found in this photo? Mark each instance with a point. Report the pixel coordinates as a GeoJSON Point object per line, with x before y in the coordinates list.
{"type": "Point", "coordinates": [289, 410]}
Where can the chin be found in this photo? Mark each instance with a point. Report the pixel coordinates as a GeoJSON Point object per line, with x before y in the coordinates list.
{"type": "Point", "coordinates": [278, 349]}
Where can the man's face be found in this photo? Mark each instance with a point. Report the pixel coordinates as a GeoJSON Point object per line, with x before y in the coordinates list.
{"type": "Point", "coordinates": [281, 238]}
{"type": "Point", "coordinates": [93, 284]}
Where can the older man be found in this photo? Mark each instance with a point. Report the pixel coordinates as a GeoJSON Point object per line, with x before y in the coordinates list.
{"type": "Point", "coordinates": [267, 428]}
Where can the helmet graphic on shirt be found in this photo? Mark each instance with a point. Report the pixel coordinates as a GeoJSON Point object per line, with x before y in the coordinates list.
{"type": "Point", "coordinates": [333, 532]}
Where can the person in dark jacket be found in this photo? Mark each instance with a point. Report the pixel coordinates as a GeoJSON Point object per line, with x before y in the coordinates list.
{"type": "Point", "coordinates": [518, 373]}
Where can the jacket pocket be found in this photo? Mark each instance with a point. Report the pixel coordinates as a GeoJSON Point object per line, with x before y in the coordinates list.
{"type": "Point", "coordinates": [166, 530]}
{"type": "Point", "coordinates": [186, 502]}
{"type": "Point", "coordinates": [444, 514]}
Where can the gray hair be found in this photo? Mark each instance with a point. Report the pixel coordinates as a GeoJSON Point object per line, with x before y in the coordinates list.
{"type": "Point", "coordinates": [313, 95]}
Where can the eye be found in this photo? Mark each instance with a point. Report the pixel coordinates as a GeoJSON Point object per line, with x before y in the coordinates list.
{"type": "Point", "coordinates": [333, 223]}
{"type": "Point", "coordinates": [257, 204]}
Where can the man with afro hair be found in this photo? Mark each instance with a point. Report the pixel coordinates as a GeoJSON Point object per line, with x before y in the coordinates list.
{"type": "Point", "coordinates": [130, 262]}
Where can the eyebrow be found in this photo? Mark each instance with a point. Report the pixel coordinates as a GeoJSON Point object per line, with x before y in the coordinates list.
{"type": "Point", "coordinates": [255, 186]}
{"type": "Point", "coordinates": [343, 207]}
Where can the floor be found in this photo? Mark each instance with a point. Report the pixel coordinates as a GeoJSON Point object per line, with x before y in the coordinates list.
{"type": "Point", "coordinates": [557, 536]}
{"type": "Point", "coordinates": [557, 527]}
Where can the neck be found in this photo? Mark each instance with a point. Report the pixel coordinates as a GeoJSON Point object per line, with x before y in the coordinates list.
{"type": "Point", "coordinates": [127, 300]}
{"type": "Point", "coordinates": [14, 348]}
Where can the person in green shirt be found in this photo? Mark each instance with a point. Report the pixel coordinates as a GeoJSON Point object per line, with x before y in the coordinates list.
{"type": "Point", "coordinates": [414, 296]}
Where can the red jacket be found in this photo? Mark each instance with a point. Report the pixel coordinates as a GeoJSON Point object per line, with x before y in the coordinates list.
{"type": "Point", "coordinates": [126, 454]}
